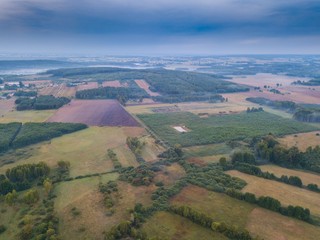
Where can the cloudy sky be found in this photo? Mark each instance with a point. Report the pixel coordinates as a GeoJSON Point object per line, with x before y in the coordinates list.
{"type": "Point", "coordinates": [166, 27]}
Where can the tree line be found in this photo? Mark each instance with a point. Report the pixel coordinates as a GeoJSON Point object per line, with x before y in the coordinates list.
{"type": "Point", "coordinates": [40, 103]}
{"type": "Point", "coordinates": [231, 232]}
{"type": "Point", "coordinates": [269, 149]}
{"type": "Point", "coordinates": [22, 177]}
{"type": "Point", "coordinates": [120, 93]}
{"type": "Point", "coordinates": [273, 204]}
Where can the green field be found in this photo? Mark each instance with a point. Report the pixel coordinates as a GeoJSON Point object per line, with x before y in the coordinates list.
{"type": "Point", "coordinates": [27, 116]}
{"type": "Point", "coordinates": [217, 129]}
{"type": "Point", "coordinates": [170, 226]}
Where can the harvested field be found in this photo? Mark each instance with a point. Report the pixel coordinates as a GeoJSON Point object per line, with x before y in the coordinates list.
{"type": "Point", "coordinates": [298, 94]}
{"type": "Point", "coordinates": [38, 83]}
{"type": "Point", "coordinates": [94, 113]}
{"type": "Point", "coordinates": [58, 90]}
{"type": "Point", "coordinates": [167, 109]}
{"type": "Point", "coordinates": [262, 79]}
{"type": "Point", "coordinates": [114, 83]}
{"type": "Point", "coordinates": [259, 221]}
{"type": "Point", "coordinates": [201, 161]}
{"type": "Point", "coordinates": [286, 194]}
{"type": "Point", "coordinates": [306, 177]}
{"type": "Point", "coordinates": [6, 106]}
{"type": "Point", "coordinates": [145, 86]}
{"type": "Point", "coordinates": [301, 140]}
{"type": "Point", "coordinates": [88, 85]}
{"type": "Point", "coordinates": [199, 108]}
{"type": "Point", "coordinates": [273, 226]}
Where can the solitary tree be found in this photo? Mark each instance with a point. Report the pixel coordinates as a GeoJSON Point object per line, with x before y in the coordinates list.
{"type": "Point", "coordinates": [47, 184]}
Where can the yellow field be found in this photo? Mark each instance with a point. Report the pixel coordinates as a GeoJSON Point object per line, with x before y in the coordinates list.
{"type": "Point", "coordinates": [274, 226]}
{"type": "Point", "coordinates": [26, 116]}
{"type": "Point", "coordinates": [258, 221]}
{"type": "Point", "coordinates": [301, 140]}
{"type": "Point", "coordinates": [286, 194]}
{"type": "Point", "coordinates": [86, 150]}
{"type": "Point", "coordinates": [168, 226]}
{"type": "Point", "coordinates": [306, 177]}
{"type": "Point", "coordinates": [195, 107]}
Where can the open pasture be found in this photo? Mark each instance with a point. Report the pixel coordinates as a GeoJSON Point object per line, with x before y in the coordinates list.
{"type": "Point", "coordinates": [93, 218]}
{"type": "Point", "coordinates": [164, 225]}
{"type": "Point", "coordinates": [86, 150]}
{"type": "Point", "coordinates": [256, 220]}
{"type": "Point", "coordinates": [217, 129]}
{"type": "Point", "coordinates": [301, 140]}
{"type": "Point", "coordinates": [306, 177]}
{"type": "Point", "coordinates": [286, 194]}
{"type": "Point", "coordinates": [94, 113]}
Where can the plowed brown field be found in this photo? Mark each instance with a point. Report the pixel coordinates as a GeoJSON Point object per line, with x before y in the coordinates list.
{"type": "Point", "coordinates": [94, 113]}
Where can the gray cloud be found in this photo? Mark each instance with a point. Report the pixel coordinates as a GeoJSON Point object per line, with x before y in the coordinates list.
{"type": "Point", "coordinates": [189, 23]}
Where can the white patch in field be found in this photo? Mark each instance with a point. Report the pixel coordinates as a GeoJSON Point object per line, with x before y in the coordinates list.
{"type": "Point", "coordinates": [180, 129]}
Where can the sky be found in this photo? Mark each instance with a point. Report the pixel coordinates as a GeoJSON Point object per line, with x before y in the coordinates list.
{"type": "Point", "coordinates": [154, 27]}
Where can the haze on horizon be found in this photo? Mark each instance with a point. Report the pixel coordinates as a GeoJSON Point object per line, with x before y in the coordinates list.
{"type": "Point", "coordinates": [166, 27]}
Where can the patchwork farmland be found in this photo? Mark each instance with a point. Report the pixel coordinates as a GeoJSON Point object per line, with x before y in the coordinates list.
{"type": "Point", "coordinates": [94, 113]}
